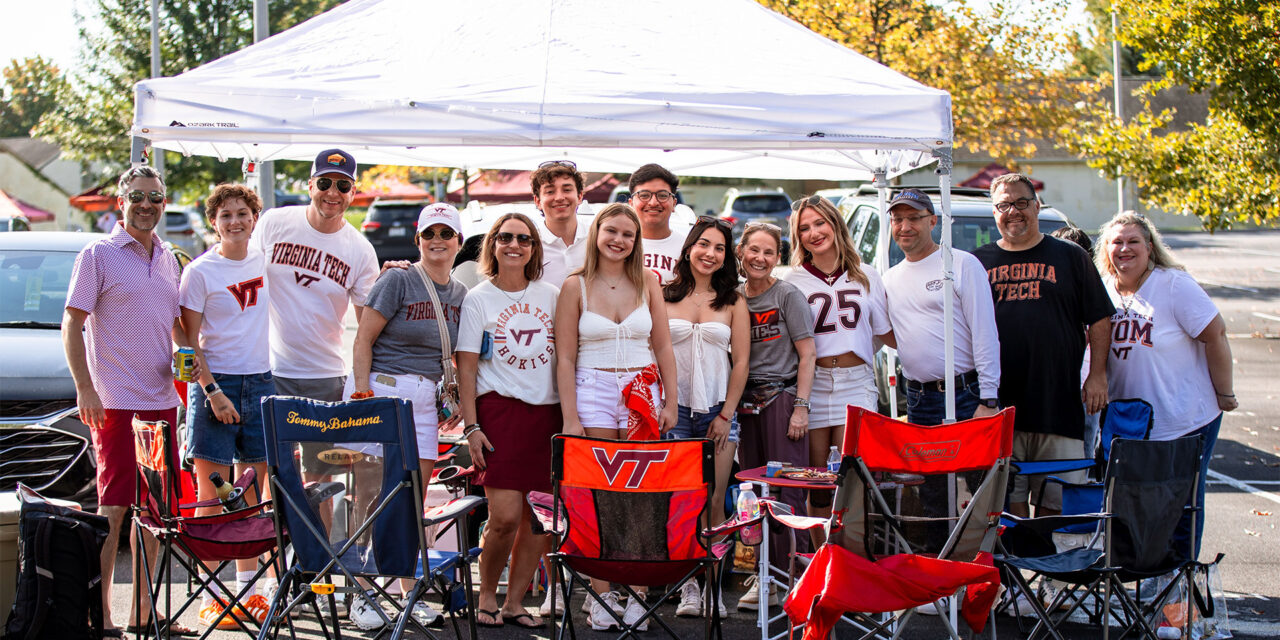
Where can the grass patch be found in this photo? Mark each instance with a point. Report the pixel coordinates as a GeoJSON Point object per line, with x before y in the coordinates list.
{"type": "Point", "coordinates": [355, 217]}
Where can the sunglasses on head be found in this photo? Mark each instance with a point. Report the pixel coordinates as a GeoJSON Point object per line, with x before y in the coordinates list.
{"type": "Point", "coordinates": [344, 186]}
{"type": "Point", "coordinates": [764, 225]}
{"type": "Point", "coordinates": [811, 201]}
{"type": "Point", "coordinates": [156, 197]}
{"type": "Point", "coordinates": [719, 222]}
{"type": "Point", "coordinates": [445, 234]}
{"type": "Point", "coordinates": [506, 237]}
{"type": "Point", "coordinates": [559, 163]}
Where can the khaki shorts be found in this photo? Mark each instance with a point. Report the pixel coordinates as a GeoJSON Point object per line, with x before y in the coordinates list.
{"type": "Point", "coordinates": [1043, 446]}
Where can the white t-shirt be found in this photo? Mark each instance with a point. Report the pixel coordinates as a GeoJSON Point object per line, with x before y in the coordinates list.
{"type": "Point", "coordinates": [313, 277]}
{"type": "Point", "coordinates": [232, 295]}
{"type": "Point", "coordinates": [660, 256]}
{"type": "Point", "coordinates": [523, 360]}
{"type": "Point", "coordinates": [845, 314]}
{"type": "Point", "coordinates": [1155, 355]}
{"type": "Point", "coordinates": [558, 259]}
{"type": "Point", "coordinates": [915, 310]}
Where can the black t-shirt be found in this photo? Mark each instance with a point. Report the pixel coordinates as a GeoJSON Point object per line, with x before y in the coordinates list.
{"type": "Point", "coordinates": [1045, 298]}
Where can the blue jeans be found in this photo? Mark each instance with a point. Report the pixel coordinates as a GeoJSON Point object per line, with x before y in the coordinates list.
{"type": "Point", "coordinates": [695, 425]}
{"type": "Point", "coordinates": [1182, 534]}
{"type": "Point", "coordinates": [243, 442]}
{"type": "Point", "coordinates": [928, 406]}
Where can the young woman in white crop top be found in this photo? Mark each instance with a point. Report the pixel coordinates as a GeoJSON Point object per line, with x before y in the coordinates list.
{"type": "Point", "coordinates": [612, 338]}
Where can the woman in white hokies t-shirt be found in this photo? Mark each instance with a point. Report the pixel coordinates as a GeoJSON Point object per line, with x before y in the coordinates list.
{"type": "Point", "coordinates": [1168, 342]}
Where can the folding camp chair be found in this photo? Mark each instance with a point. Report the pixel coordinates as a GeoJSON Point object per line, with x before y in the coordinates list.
{"type": "Point", "coordinates": [628, 512]}
{"type": "Point", "coordinates": [862, 572]}
{"type": "Point", "coordinates": [1148, 486]}
{"type": "Point", "coordinates": [373, 443]}
{"type": "Point", "coordinates": [191, 541]}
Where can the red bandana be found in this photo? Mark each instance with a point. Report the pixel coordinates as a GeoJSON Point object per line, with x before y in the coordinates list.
{"type": "Point", "coordinates": [642, 414]}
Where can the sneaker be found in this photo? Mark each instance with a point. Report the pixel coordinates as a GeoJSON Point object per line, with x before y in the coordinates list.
{"type": "Point", "coordinates": [612, 597]}
{"type": "Point", "coordinates": [545, 610]}
{"type": "Point", "coordinates": [363, 614]}
{"type": "Point", "coordinates": [633, 613]}
{"type": "Point", "coordinates": [255, 606]}
{"type": "Point", "coordinates": [931, 608]}
{"type": "Point", "coordinates": [425, 615]}
{"type": "Point", "coordinates": [211, 611]}
{"type": "Point", "coordinates": [751, 599]}
{"type": "Point", "coordinates": [1021, 606]}
{"type": "Point", "coordinates": [724, 611]}
{"type": "Point", "coordinates": [601, 620]}
{"type": "Point", "coordinates": [690, 601]}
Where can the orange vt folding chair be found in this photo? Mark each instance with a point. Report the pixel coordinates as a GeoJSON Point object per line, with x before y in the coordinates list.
{"type": "Point", "coordinates": [862, 572]}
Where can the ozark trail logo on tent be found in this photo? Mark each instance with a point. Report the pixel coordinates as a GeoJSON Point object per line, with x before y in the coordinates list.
{"type": "Point", "coordinates": [175, 123]}
{"type": "Point", "coordinates": [931, 451]}
{"type": "Point", "coordinates": [640, 458]}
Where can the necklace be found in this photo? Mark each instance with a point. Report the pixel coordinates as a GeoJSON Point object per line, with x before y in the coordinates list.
{"type": "Point", "coordinates": [505, 294]}
{"type": "Point", "coordinates": [1126, 302]}
{"type": "Point", "coordinates": [694, 296]}
{"type": "Point", "coordinates": [612, 285]}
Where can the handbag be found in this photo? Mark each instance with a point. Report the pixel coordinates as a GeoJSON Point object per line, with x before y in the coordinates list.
{"type": "Point", "coordinates": [756, 398]}
{"type": "Point", "coordinates": [448, 403]}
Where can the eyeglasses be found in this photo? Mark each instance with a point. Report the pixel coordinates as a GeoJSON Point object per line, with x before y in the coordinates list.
{"type": "Point", "coordinates": [559, 163]}
{"type": "Point", "coordinates": [344, 186]}
{"type": "Point", "coordinates": [1021, 204]}
{"type": "Point", "coordinates": [445, 234]}
{"type": "Point", "coordinates": [764, 225]}
{"type": "Point", "coordinates": [662, 196]}
{"type": "Point", "coordinates": [522, 239]}
{"type": "Point", "coordinates": [719, 222]}
{"type": "Point", "coordinates": [908, 219]}
{"type": "Point", "coordinates": [156, 197]}
{"type": "Point", "coordinates": [811, 201]}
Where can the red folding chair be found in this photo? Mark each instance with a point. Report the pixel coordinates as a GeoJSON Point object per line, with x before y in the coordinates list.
{"type": "Point", "coordinates": [869, 566]}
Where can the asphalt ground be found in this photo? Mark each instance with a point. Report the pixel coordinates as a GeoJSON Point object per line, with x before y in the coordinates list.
{"type": "Point", "coordinates": [1241, 272]}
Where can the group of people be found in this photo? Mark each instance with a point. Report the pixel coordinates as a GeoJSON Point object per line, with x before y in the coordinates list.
{"type": "Point", "coordinates": [624, 328]}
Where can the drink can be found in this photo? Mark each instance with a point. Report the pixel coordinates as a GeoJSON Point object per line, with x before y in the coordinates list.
{"type": "Point", "coordinates": [184, 364]}
{"type": "Point", "coordinates": [772, 469]}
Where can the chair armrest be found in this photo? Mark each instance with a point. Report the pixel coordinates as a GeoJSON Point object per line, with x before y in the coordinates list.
{"type": "Point", "coordinates": [1045, 525]}
{"type": "Point", "coordinates": [543, 505]}
{"type": "Point", "coordinates": [453, 509]}
{"type": "Point", "coordinates": [1042, 467]}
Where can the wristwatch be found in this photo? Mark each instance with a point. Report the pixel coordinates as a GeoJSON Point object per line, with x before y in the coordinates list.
{"type": "Point", "coordinates": [212, 388]}
{"type": "Point", "coordinates": [801, 402]}
{"type": "Point", "coordinates": [990, 403]}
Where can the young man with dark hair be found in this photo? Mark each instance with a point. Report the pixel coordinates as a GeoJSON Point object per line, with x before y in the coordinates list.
{"type": "Point", "coordinates": [557, 192]}
{"type": "Point", "coordinates": [653, 196]}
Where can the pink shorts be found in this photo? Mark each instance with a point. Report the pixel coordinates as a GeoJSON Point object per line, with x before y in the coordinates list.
{"type": "Point", "coordinates": [113, 449]}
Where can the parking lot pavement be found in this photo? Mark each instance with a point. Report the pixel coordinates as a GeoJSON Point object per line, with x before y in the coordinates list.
{"type": "Point", "coordinates": [1241, 272]}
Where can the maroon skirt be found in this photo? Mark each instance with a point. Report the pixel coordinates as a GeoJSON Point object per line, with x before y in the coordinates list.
{"type": "Point", "coordinates": [521, 437]}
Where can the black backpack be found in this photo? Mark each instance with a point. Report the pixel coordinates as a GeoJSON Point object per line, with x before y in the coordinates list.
{"type": "Point", "coordinates": [59, 591]}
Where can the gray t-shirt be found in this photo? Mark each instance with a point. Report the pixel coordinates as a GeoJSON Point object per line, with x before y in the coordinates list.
{"type": "Point", "coordinates": [410, 343]}
{"type": "Point", "coordinates": [779, 317]}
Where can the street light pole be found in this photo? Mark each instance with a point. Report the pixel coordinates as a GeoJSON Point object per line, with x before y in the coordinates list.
{"type": "Point", "coordinates": [266, 170]}
{"type": "Point", "coordinates": [1119, 94]}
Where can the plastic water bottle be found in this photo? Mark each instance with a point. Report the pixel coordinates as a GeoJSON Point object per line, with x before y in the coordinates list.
{"type": "Point", "coordinates": [232, 497]}
{"type": "Point", "coordinates": [748, 508]}
{"type": "Point", "coordinates": [833, 460]}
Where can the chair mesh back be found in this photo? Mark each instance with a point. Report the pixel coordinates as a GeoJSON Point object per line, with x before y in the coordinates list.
{"type": "Point", "coordinates": [1148, 484]}
{"type": "Point", "coordinates": [157, 480]}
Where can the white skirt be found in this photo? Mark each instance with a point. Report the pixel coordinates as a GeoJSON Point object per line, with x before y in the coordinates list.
{"type": "Point", "coordinates": [834, 389]}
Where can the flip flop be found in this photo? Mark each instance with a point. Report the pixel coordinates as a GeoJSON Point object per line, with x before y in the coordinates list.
{"type": "Point", "coordinates": [515, 621]}
{"type": "Point", "coordinates": [113, 632]}
{"type": "Point", "coordinates": [493, 615]}
{"type": "Point", "coordinates": [174, 630]}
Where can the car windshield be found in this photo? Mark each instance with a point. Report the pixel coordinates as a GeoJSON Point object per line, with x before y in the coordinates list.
{"type": "Point", "coordinates": [33, 286]}
{"type": "Point", "coordinates": [761, 204]}
{"type": "Point", "coordinates": [387, 213]}
{"type": "Point", "coordinates": [968, 234]}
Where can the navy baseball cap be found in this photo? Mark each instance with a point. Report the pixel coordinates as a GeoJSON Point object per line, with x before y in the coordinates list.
{"type": "Point", "coordinates": [914, 198]}
{"type": "Point", "coordinates": [334, 161]}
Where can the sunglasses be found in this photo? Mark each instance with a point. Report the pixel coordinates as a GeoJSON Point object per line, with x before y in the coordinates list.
{"type": "Point", "coordinates": [662, 196]}
{"type": "Point", "coordinates": [559, 163]}
{"type": "Point", "coordinates": [344, 186]}
{"type": "Point", "coordinates": [522, 239]}
{"type": "Point", "coordinates": [445, 234]}
{"type": "Point", "coordinates": [811, 201]}
{"type": "Point", "coordinates": [1021, 204]}
{"type": "Point", "coordinates": [156, 197]}
{"type": "Point", "coordinates": [719, 222]}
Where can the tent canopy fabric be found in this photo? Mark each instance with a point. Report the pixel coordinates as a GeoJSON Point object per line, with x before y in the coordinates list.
{"type": "Point", "coordinates": [714, 88]}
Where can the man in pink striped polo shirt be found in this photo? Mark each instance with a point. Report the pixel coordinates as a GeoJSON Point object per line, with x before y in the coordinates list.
{"type": "Point", "coordinates": [124, 296]}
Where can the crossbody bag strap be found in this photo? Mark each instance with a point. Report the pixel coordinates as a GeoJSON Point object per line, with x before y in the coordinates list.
{"type": "Point", "coordinates": [446, 345]}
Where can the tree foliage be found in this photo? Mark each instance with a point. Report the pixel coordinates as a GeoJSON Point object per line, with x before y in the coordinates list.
{"type": "Point", "coordinates": [95, 111]}
{"type": "Point", "coordinates": [30, 90]}
{"type": "Point", "coordinates": [1226, 169]}
{"type": "Point", "coordinates": [1000, 65]}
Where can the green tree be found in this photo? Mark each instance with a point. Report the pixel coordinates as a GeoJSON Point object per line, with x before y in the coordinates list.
{"type": "Point", "coordinates": [95, 111]}
{"type": "Point", "coordinates": [30, 90]}
{"type": "Point", "coordinates": [1227, 169]}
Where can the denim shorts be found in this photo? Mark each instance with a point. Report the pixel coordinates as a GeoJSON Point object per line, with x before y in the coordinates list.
{"type": "Point", "coordinates": [695, 425]}
{"type": "Point", "coordinates": [227, 444]}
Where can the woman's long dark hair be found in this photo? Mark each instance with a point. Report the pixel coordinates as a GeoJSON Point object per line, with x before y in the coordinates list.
{"type": "Point", "coordinates": [724, 281]}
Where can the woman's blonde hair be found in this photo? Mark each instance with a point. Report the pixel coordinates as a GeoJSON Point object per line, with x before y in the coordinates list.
{"type": "Point", "coordinates": [633, 266]}
{"type": "Point", "coordinates": [846, 256]}
{"type": "Point", "coordinates": [489, 264]}
{"type": "Point", "coordinates": [1160, 254]}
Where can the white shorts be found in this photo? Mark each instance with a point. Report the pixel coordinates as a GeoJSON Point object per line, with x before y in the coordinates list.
{"type": "Point", "coordinates": [600, 397]}
{"type": "Point", "coordinates": [835, 389]}
{"type": "Point", "coordinates": [420, 391]}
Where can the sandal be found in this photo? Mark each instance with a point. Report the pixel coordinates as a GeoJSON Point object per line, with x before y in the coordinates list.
{"type": "Point", "coordinates": [493, 615]}
{"type": "Point", "coordinates": [516, 621]}
{"type": "Point", "coordinates": [174, 629]}
{"type": "Point", "coordinates": [113, 632]}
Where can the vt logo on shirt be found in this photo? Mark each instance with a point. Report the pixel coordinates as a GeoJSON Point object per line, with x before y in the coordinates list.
{"type": "Point", "coordinates": [246, 293]}
{"type": "Point", "coordinates": [764, 325]}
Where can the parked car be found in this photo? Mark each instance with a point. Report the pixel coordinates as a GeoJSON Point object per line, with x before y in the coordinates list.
{"type": "Point", "coordinates": [772, 207]}
{"type": "Point", "coordinates": [186, 229]}
{"type": "Point", "coordinates": [972, 226]}
{"type": "Point", "coordinates": [390, 226]}
{"type": "Point", "coordinates": [14, 223]}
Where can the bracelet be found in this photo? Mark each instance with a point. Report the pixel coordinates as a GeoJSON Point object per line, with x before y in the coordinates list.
{"type": "Point", "coordinates": [471, 428]}
{"type": "Point", "coordinates": [722, 417]}
{"type": "Point", "coordinates": [1224, 395]}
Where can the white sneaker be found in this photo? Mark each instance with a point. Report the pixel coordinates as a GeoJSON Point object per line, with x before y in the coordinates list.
{"type": "Point", "coordinates": [364, 616]}
{"type": "Point", "coordinates": [600, 618]}
{"type": "Point", "coordinates": [634, 611]}
{"type": "Point", "coordinates": [751, 599]}
{"type": "Point", "coordinates": [612, 597]}
{"type": "Point", "coordinates": [425, 615]}
{"type": "Point", "coordinates": [1021, 606]}
{"type": "Point", "coordinates": [690, 601]}
{"type": "Point", "coordinates": [724, 611]}
{"type": "Point", "coordinates": [545, 610]}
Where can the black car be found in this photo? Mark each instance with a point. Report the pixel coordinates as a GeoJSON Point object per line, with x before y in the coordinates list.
{"type": "Point", "coordinates": [391, 226]}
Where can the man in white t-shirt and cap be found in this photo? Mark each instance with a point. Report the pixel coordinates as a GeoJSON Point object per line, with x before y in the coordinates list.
{"type": "Point", "coordinates": [317, 265]}
{"type": "Point", "coordinates": [653, 196]}
{"type": "Point", "coordinates": [557, 192]}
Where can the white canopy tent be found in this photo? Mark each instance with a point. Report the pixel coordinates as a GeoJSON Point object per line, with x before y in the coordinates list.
{"type": "Point", "coordinates": [708, 88]}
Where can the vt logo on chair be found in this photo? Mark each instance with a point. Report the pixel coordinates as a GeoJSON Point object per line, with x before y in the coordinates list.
{"type": "Point", "coordinates": [640, 457]}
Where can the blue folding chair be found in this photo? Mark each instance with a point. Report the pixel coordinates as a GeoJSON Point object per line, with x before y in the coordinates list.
{"type": "Point", "coordinates": [372, 445]}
